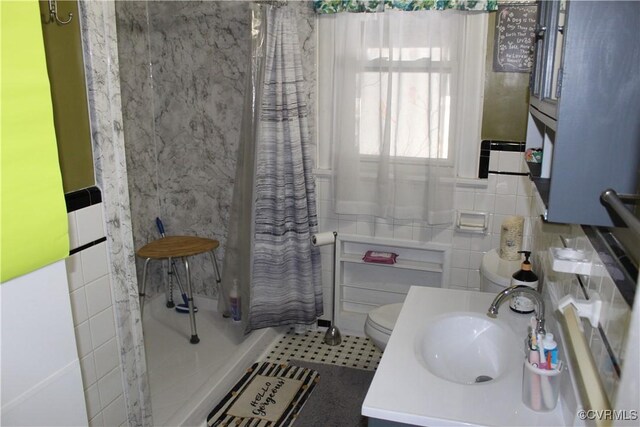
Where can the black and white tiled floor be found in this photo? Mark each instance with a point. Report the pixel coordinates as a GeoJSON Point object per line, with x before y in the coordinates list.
{"type": "Point", "coordinates": [354, 352]}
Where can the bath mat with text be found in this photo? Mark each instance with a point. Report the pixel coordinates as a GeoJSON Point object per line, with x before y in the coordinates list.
{"type": "Point", "coordinates": [269, 394]}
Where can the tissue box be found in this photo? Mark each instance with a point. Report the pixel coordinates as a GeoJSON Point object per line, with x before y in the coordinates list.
{"type": "Point", "coordinates": [380, 257]}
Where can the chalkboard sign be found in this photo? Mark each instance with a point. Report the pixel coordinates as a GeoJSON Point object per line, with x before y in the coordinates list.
{"type": "Point", "coordinates": [514, 40]}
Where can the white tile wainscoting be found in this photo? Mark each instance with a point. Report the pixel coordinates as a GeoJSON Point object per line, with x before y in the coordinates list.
{"type": "Point", "coordinates": [615, 318]}
{"type": "Point", "coordinates": [498, 196]}
{"type": "Point", "coordinates": [93, 317]}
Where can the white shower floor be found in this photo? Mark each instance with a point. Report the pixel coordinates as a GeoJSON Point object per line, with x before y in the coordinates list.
{"type": "Point", "coordinates": [186, 380]}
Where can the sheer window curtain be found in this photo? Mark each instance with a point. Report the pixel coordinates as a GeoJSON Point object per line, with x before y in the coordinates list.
{"type": "Point", "coordinates": [396, 88]}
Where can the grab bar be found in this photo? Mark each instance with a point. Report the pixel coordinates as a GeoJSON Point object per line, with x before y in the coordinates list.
{"type": "Point", "coordinates": [613, 199]}
{"type": "Point", "coordinates": [592, 394]}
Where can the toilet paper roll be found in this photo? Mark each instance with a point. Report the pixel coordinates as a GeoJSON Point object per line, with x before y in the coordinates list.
{"type": "Point", "coordinates": [511, 238]}
{"type": "Point", "coordinates": [321, 239]}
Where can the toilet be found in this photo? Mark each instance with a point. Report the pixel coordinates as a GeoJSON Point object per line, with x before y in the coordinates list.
{"type": "Point", "coordinates": [380, 323]}
{"type": "Point", "coordinates": [495, 275]}
{"type": "Point", "coordinates": [495, 272]}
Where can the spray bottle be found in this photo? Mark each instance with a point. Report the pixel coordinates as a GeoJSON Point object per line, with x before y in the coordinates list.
{"type": "Point", "coordinates": [524, 276]}
{"type": "Point", "coordinates": [234, 301]}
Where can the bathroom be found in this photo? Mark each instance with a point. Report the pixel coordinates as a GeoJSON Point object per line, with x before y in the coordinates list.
{"type": "Point", "coordinates": [158, 142]}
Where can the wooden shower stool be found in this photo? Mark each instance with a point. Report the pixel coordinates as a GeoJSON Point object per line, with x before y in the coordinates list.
{"type": "Point", "coordinates": [178, 247]}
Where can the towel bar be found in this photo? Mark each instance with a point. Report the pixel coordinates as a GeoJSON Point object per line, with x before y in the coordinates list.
{"type": "Point", "coordinates": [590, 388]}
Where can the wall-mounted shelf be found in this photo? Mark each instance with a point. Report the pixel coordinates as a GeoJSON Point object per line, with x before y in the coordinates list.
{"type": "Point", "coordinates": [401, 264]}
{"type": "Point", "coordinates": [362, 286]}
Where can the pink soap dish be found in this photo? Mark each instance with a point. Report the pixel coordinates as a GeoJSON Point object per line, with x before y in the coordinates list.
{"type": "Point", "coordinates": [380, 257]}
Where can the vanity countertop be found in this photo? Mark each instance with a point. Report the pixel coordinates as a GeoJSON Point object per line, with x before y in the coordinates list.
{"type": "Point", "coordinates": [404, 391]}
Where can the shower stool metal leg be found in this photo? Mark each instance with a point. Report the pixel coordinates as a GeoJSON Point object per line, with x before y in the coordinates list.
{"type": "Point", "coordinates": [192, 315]}
{"type": "Point", "coordinates": [144, 285]}
{"type": "Point", "coordinates": [214, 261]}
{"type": "Point", "coordinates": [170, 303]}
{"type": "Point", "coordinates": [172, 247]}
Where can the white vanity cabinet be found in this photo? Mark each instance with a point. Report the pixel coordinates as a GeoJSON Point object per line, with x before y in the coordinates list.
{"type": "Point", "coordinates": [585, 106]}
{"type": "Point", "coordinates": [362, 286]}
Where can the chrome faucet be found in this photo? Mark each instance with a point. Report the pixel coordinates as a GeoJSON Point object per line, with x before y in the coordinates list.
{"type": "Point", "coordinates": [520, 289]}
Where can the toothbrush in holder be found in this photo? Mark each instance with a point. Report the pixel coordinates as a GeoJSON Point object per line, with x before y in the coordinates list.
{"type": "Point", "coordinates": [543, 360]}
{"type": "Point", "coordinates": [535, 393]}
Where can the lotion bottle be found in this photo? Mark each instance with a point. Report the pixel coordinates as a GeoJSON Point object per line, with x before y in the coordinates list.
{"type": "Point", "coordinates": [524, 276]}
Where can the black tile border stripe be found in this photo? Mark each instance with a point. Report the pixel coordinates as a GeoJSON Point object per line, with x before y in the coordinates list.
{"type": "Point", "coordinates": [87, 246]}
{"type": "Point", "coordinates": [489, 145]}
{"type": "Point", "coordinates": [517, 146]}
{"type": "Point", "coordinates": [485, 153]}
{"type": "Point", "coordinates": [324, 323]}
{"type": "Point", "coordinates": [510, 173]}
{"type": "Point", "coordinates": [84, 198]}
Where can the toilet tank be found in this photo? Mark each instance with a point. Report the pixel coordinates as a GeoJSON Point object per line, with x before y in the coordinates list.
{"type": "Point", "coordinates": [495, 272]}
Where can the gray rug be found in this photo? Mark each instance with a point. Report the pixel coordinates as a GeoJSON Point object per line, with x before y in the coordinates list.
{"type": "Point", "coordinates": [337, 398]}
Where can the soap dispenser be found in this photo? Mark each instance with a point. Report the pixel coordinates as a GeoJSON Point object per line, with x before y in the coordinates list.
{"type": "Point", "coordinates": [524, 276]}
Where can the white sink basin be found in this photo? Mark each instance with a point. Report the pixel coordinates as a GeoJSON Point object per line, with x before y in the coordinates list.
{"type": "Point", "coordinates": [442, 342]}
{"type": "Point", "coordinates": [468, 348]}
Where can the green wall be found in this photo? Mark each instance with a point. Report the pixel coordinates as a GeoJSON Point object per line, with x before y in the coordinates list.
{"type": "Point", "coordinates": [65, 67]}
{"type": "Point", "coordinates": [506, 98]}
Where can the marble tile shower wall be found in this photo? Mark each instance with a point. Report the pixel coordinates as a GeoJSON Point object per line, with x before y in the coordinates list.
{"type": "Point", "coordinates": [100, 52]}
{"type": "Point", "coordinates": [182, 75]}
{"type": "Point", "coordinates": [498, 196]}
{"type": "Point", "coordinates": [138, 124]}
{"type": "Point", "coordinates": [183, 68]}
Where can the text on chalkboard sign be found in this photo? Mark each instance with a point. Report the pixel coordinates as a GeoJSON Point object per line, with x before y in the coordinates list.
{"type": "Point", "coordinates": [514, 38]}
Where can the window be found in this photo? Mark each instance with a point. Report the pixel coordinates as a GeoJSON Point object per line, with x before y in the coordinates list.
{"type": "Point", "coordinates": [417, 69]}
{"type": "Point", "coordinates": [421, 79]}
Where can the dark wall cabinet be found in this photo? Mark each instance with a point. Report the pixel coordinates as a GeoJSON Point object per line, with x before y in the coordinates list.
{"type": "Point", "coordinates": [585, 106]}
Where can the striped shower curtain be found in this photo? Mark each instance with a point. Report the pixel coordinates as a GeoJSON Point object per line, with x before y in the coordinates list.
{"type": "Point", "coordinates": [286, 284]}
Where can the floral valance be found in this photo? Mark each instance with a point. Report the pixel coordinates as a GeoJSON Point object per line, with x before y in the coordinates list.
{"type": "Point", "coordinates": [335, 6]}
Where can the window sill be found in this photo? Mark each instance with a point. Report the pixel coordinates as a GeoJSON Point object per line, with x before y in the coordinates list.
{"type": "Point", "coordinates": [472, 183]}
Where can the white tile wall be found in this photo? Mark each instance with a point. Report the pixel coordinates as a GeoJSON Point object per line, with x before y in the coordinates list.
{"type": "Point", "coordinates": [94, 262]}
{"type": "Point", "coordinates": [90, 224]}
{"type": "Point", "coordinates": [74, 271]}
{"type": "Point", "coordinates": [93, 316]}
{"type": "Point", "coordinates": [499, 196]}
{"type": "Point", "coordinates": [616, 314]}
{"type": "Point", "coordinates": [112, 413]}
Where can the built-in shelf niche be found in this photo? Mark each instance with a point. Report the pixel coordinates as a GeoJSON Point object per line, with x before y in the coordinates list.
{"type": "Point", "coordinates": [362, 286]}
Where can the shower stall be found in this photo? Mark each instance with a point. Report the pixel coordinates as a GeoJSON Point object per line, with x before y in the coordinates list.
{"type": "Point", "coordinates": [186, 72]}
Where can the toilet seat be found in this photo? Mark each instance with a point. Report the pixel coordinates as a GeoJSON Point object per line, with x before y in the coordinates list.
{"type": "Point", "coordinates": [380, 323]}
{"type": "Point", "coordinates": [384, 318]}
